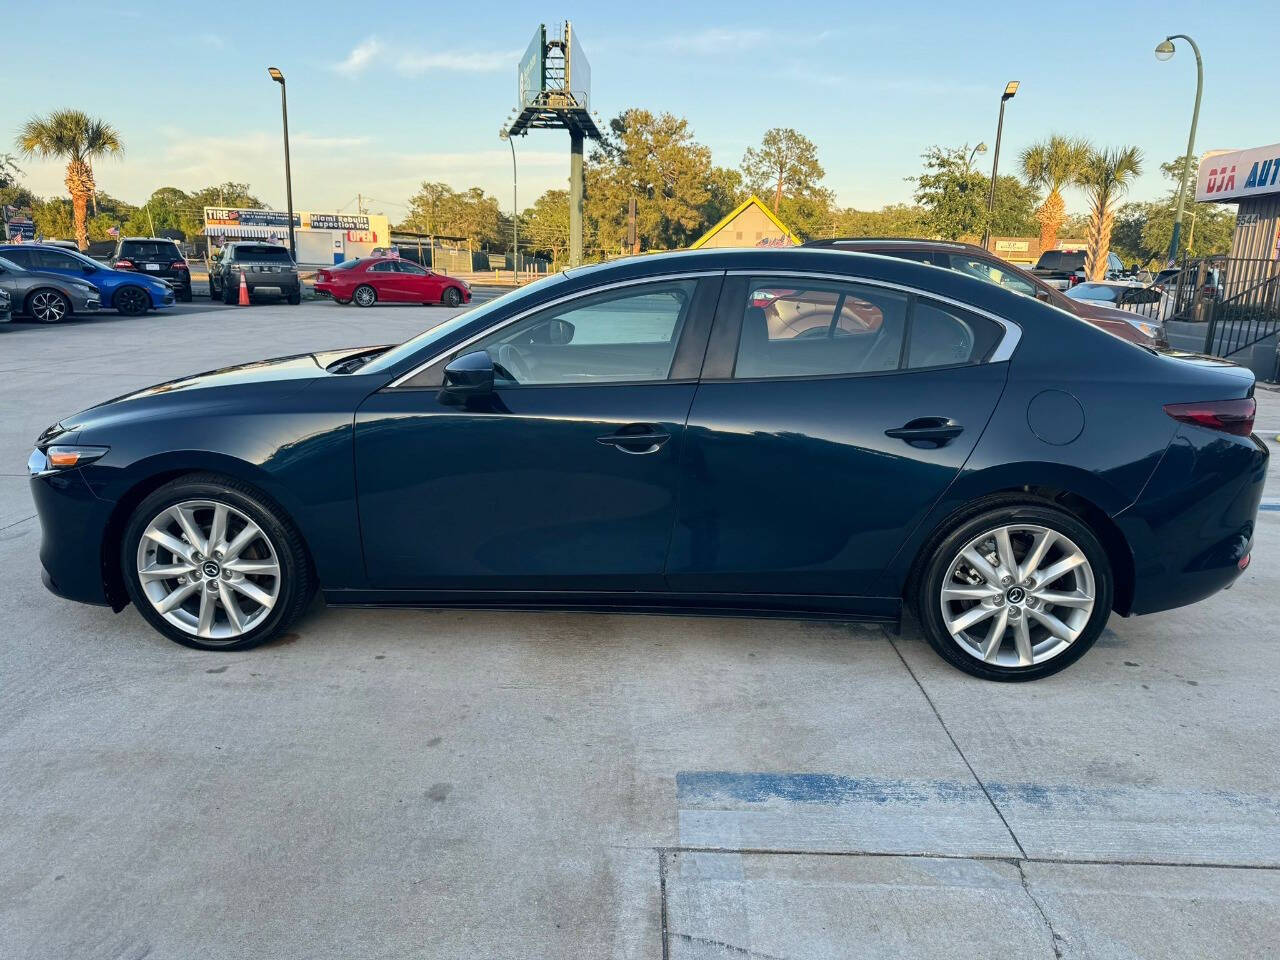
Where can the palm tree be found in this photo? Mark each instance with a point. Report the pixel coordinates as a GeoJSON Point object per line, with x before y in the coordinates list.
{"type": "Point", "coordinates": [78, 138]}
{"type": "Point", "coordinates": [1105, 178]}
{"type": "Point", "coordinates": [1054, 164]}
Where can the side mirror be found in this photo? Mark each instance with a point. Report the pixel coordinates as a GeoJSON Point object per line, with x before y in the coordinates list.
{"type": "Point", "coordinates": [470, 375]}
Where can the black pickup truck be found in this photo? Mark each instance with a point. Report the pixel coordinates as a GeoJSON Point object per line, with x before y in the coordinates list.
{"type": "Point", "coordinates": [1065, 268]}
{"type": "Point", "coordinates": [266, 266]}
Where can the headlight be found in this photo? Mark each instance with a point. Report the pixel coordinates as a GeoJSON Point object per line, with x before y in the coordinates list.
{"type": "Point", "coordinates": [58, 457]}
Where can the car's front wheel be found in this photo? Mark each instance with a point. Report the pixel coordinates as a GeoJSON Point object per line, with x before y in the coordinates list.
{"type": "Point", "coordinates": [212, 564]}
{"type": "Point", "coordinates": [452, 297]}
{"type": "Point", "coordinates": [1015, 591]}
{"type": "Point", "coordinates": [131, 301]}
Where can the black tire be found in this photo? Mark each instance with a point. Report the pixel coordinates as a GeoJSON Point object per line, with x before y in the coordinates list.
{"type": "Point", "coordinates": [340, 302]}
{"type": "Point", "coordinates": [451, 297]}
{"type": "Point", "coordinates": [231, 293]}
{"type": "Point", "coordinates": [364, 296]}
{"type": "Point", "coordinates": [295, 297]}
{"type": "Point", "coordinates": [185, 295]}
{"type": "Point", "coordinates": [986, 515]}
{"type": "Point", "coordinates": [214, 293]}
{"type": "Point", "coordinates": [297, 582]}
{"type": "Point", "coordinates": [47, 306]}
{"type": "Point", "coordinates": [131, 301]}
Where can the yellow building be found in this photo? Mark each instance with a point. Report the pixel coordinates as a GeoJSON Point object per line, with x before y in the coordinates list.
{"type": "Point", "coordinates": [749, 224]}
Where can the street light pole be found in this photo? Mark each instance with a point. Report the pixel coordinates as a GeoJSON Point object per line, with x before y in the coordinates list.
{"type": "Point", "coordinates": [515, 208]}
{"type": "Point", "coordinates": [1164, 50]}
{"type": "Point", "coordinates": [1010, 89]}
{"type": "Point", "coordinates": [278, 77]}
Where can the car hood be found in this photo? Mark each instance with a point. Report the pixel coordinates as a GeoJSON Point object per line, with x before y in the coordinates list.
{"type": "Point", "coordinates": [261, 379]}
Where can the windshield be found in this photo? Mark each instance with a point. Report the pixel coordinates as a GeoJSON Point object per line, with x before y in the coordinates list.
{"type": "Point", "coordinates": [153, 249]}
{"type": "Point", "coordinates": [1094, 291]}
{"type": "Point", "coordinates": [10, 265]}
{"type": "Point", "coordinates": [423, 340]}
{"type": "Point", "coordinates": [262, 251]}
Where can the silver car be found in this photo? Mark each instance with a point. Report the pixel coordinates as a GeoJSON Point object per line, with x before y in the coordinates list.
{"type": "Point", "coordinates": [46, 297]}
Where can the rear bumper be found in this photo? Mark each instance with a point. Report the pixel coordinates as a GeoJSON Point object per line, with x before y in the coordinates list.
{"type": "Point", "coordinates": [1193, 526]}
{"type": "Point", "coordinates": [73, 523]}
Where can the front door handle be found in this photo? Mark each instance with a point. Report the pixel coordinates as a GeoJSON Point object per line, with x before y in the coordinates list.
{"type": "Point", "coordinates": [927, 432]}
{"type": "Point", "coordinates": [636, 438]}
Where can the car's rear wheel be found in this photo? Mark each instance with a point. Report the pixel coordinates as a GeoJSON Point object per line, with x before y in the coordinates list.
{"type": "Point", "coordinates": [185, 295]}
{"type": "Point", "coordinates": [131, 301]}
{"type": "Point", "coordinates": [295, 297]}
{"type": "Point", "coordinates": [1015, 591]}
{"type": "Point", "coordinates": [364, 296]}
{"type": "Point", "coordinates": [212, 564]}
{"type": "Point", "coordinates": [48, 306]}
{"type": "Point", "coordinates": [452, 297]}
{"type": "Point", "coordinates": [231, 292]}
{"type": "Point", "coordinates": [214, 294]}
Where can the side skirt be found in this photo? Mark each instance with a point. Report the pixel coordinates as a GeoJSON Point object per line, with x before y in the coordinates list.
{"type": "Point", "coordinates": [785, 606]}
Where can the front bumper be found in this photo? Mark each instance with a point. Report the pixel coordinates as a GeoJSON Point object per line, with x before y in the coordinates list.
{"type": "Point", "coordinates": [73, 524]}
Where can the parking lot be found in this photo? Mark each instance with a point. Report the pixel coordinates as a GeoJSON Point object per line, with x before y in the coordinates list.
{"type": "Point", "coordinates": [394, 784]}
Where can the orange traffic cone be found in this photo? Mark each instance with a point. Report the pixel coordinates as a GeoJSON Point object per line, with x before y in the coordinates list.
{"type": "Point", "coordinates": [244, 290]}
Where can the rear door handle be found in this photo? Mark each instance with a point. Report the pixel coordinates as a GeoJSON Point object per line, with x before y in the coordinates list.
{"type": "Point", "coordinates": [927, 432]}
{"type": "Point", "coordinates": [643, 438]}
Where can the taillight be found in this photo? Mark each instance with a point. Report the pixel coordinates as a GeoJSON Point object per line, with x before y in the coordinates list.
{"type": "Point", "coordinates": [179, 265]}
{"type": "Point", "coordinates": [323, 276]}
{"type": "Point", "coordinates": [1229, 416]}
{"type": "Point", "coordinates": [125, 265]}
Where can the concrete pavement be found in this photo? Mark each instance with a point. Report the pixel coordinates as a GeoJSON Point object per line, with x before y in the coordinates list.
{"type": "Point", "coordinates": [391, 784]}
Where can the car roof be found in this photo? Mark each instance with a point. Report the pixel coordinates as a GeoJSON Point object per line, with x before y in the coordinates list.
{"type": "Point", "coordinates": [916, 242]}
{"type": "Point", "coordinates": [150, 239]}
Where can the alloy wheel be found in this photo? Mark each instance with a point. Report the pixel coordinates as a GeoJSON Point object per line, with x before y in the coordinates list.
{"type": "Point", "coordinates": [132, 301]}
{"type": "Point", "coordinates": [208, 569]}
{"type": "Point", "coordinates": [1018, 595]}
{"type": "Point", "coordinates": [48, 306]}
{"type": "Point", "coordinates": [365, 296]}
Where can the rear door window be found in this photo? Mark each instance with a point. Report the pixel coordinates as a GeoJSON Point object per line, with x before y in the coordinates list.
{"type": "Point", "coordinates": [815, 328]}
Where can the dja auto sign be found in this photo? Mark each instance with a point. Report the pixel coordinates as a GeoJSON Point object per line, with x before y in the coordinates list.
{"type": "Point", "coordinates": [1235, 174]}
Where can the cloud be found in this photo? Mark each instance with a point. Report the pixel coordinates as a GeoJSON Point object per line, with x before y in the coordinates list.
{"type": "Point", "coordinates": [717, 39]}
{"type": "Point", "coordinates": [360, 57]}
{"type": "Point", "coordinates": [414, 64]}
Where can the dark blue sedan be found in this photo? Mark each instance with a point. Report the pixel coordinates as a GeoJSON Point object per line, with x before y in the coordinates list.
{"type": "Point", "coordinates": [797, 433]}
{"type": "Point", "coordinates": [131, 294]}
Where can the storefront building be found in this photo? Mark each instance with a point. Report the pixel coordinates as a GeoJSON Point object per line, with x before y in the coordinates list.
{"type": "Point", "coordinates": [321, 238]}
{"type": "Point", "coordinates": [1250, 178]}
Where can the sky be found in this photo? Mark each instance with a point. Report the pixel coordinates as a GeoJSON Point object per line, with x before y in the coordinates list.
{"type": "Point", "coordinates": [385, 95]}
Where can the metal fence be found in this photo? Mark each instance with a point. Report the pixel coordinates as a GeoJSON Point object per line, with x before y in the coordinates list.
{"type": "Point", "coordinates": [1245, 306]}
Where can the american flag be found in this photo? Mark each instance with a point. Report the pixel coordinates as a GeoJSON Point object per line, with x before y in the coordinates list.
{"type": "Point", "coordinates": [113, 231]}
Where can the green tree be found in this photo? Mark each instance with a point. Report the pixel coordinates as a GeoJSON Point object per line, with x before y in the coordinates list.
{"type": "Point", "coordinates": [786, 161]}
{"type": "Point", "coordinates": [810, 215]}
{"type": "Point", "coordinates": [77, 138]}
{"type": "Point", "coordinates": [1014, 211]}
{"type": "Point", "coordinates": [895, 220]}
{"type": "Point", "coordinates": [545, 225]}
{"type": "Point", "coordinates": [654, 159]}
{"type": "Point", "coordinates": [1054, 164]}
{"type": "Point", "coordinates": [9, 171]}
{"type": "Point", "coordinates": [439, 209]}
{"type": "Point", "coordinates": [1105, 178]}
{"type": "Point", "coordinates": [952, 192]}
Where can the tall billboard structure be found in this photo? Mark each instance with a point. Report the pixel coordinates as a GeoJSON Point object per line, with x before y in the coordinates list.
{"type": "Point", "coordinates": [554, 93]}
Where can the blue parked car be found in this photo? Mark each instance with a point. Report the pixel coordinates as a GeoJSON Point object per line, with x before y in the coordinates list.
{"type": "Point", "coordinates": [797, 433]}
{"type": "Point", "coordinates": [132, 294]}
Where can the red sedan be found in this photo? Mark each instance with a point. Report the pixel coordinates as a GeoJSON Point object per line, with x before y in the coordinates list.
{"type": "Point", "coordinates": [391, 280]}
